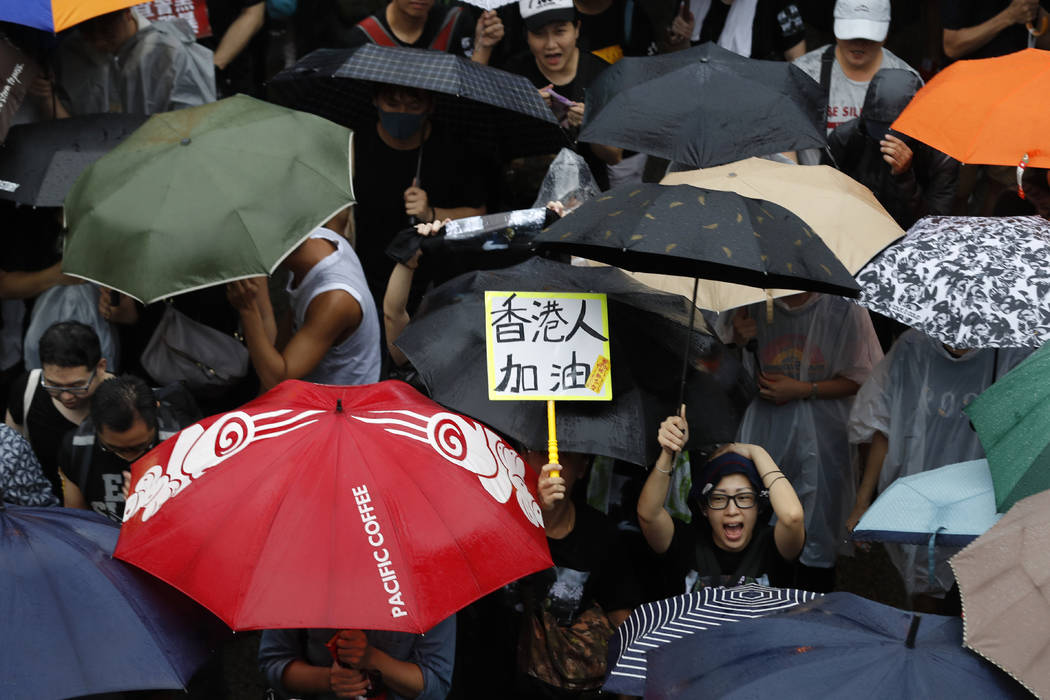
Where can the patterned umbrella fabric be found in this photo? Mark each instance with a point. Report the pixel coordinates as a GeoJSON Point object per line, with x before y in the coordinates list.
{"type": "Point", "coordinates": [17, 73]}
{"type": "Point", "coordinates": [694, 232]}
{"type": "Point", "coordinates": [663, 622]}
{"type": "Point", "coordinates": [970, 282]}
{"type": "Point", "coordinates": [475, 102]}
{"type": "Point", "coordinates": [366, 507]}
{"type": "Point", "coordinates": [1012, 420]}
{"type": "Point", "coordinates": [836, 646]}
{"type": "Point", "coordinates": [951, 506]}
{"type": "Point", "coordinates": [1004, 580]}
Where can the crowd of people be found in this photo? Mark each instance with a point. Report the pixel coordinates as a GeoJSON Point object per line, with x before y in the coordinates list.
{"type": "Point", "coordinates": [844, 401]}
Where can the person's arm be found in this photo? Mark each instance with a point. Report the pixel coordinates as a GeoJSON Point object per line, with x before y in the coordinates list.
{"type": "Point", "coordinates": [940, 177]}
{"type": "Point", "coordinates": [487, 33]}
{"type": "Point", "coordinates": [403, 677]}
{"type": "Point", "coordinates": [281, 662]}
{"type": "Point", "coordinates": [395, 307]}
{"type": "Point", "coordinates": [656, 523]}
{"type": "Point", "coordinates": [780, 389]}
{"type": "Point", "coordinates": [869, 481]}
{"type": "Point", "coordinates": [72, 496]}
{"type": "Point", "coordinates": [958, 43]}
{"type": "Point", "coordinates": [610, 155]}
{"type": "Point", "coordinates": [417, 204]}
{"type": "Point", "coordinates": [329, 315]}
{"type": "Point", "coordinates": [25, 285]}
{"type": "Point", "coordinates": [795, 51]}
{"type": "Point", "coordinates": [239, 33]}
{"type": "Point", "coordinates": [790, 530]}
{"type": "Point", "coordinates": [10, 422]}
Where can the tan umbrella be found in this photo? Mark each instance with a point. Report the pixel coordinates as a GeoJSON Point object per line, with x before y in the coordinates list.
{"type": "Point", "coordinates": [1004, 579]}
{"type": "Point", "coordinates": [841, 210]}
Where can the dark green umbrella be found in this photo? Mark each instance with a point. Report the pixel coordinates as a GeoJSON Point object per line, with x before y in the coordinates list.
{"type": "Point", "coordinates": [1012, 418]}
{"type": "Point", "coordinates": [694, 232]}
{"type": "Point", "coordinates": [205, 195]}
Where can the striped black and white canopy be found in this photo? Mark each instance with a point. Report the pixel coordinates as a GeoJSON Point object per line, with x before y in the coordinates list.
{"type": "Point", "coordinates": [656, 624]}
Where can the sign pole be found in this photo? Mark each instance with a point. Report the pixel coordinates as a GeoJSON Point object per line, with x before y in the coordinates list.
{"type": "Point", "coordinates": [552, 439]}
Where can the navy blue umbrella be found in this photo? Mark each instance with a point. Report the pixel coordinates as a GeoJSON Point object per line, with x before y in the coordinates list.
{"type": "Point", "coordinates": [77, 622]}
{"type": "Point", "coordinates": [837, 646]}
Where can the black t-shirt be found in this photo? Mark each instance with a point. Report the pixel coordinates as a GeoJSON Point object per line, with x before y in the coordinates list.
{"type": "Point", "coordinates": [692, 549]}
{"type": "Point", "coordinates": [463, 28]}
{"type": "Point", "coordinates": [588, 68]}
{"type": "Point", "coordinates": [102, 485]}
{"type": "Point", "coordinates": [47, 427]}
{"type": "Point", "coordinates": [452, 174]}
{"type": "Point", "coordinates": [636, 37]}
{"type": "Point", "coordinates": [959, 14]}
{"type": "Point", "coordinates": [588, 568]}
{"type": "Point", "coordinates": [776, 28]}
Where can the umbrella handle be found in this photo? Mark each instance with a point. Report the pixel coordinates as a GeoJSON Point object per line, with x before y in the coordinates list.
{"type": "Point", "coordinates": [552, 439]}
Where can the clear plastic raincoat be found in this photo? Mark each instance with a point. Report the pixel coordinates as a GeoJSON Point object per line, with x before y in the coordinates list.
{"type": "Point", "coordinates": [824, 338]}
{"type": "Point", "coordinates": [916, 397]}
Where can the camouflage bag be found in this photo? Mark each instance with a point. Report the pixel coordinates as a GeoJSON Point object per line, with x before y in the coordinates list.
{"type": "Point", "coordinates": [571, 657]}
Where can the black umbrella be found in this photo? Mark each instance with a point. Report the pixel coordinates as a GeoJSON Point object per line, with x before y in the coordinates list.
{"type": "Point", "coordinates": [40, 162]}
{"type": "Point", "coordinates": [694, 232]}
{"type": "Point", "coordinates": [483, 104]}
{"type": "Point", "coordinates": [16, 74]}
{"type": "Point", "coordinates": [648, 331]}
{"type": "Point", "coordinates": [704, 106]}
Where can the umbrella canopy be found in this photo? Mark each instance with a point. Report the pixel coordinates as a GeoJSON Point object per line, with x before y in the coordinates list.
{"type": "Point", "coordinates": [1005, 591]}
{"type": "Point", "coordinates": [693, 232]}
{"type": "Point", "coordinates": [17, 73]}
{"type": "Point", "coordinates": [664, 622]}
{"type": "Point", "coordinates": [953, 505]}
{"type": "Point", "coordinates": [844, 213]}
{"type": "Point", "coordinates": [648, 333]}
{"type": "Point", "coordinates": [1012, 419]}
{"type": "Point", "coordinates": [839, 645]}
{"type": "Point", "coordinates": [205, 195]}
{"type": "Point", "coordinates": [76, 621]}
{"type": "Point", "coordinates": [988, 111]}
{"type": "Point", "coordinates": [41, 161]}
{"type": "Point", "coordinates": [474, 102]}
{"type": "Point", "coordinates": [56, 15]}
{"type": "Point", "coordinates": [970, 282]}
{"type": "Point", "coordinates": [325, 506]}
{"type": "Point", "coordinates": [704, 106]}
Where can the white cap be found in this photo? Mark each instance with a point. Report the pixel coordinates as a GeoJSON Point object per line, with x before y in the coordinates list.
{"type": "Point", "coordinates": [537, 13]}
{"type": "Point", "coordinates": [862, 19]}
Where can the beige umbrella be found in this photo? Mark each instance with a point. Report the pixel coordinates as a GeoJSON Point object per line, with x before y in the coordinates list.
{"type": "Point", "coordinates": [841, 210]}
{"type": "Point", "coordinates": [1004, 579]}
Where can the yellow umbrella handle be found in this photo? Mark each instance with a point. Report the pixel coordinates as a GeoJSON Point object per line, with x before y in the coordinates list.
{"type": "Point", "coordinates": [552, 439]}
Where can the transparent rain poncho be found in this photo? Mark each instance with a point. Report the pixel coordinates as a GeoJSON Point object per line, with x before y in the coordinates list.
{"type": "Point", "coordinates": [916, 398]}
{"type": "Point", "coordinates": [825, 337]}
{"type": "Point", "coordinates": [568, 180]}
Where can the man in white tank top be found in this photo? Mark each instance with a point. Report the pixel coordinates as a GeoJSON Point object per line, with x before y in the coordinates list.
{"type": "Point", "coordinates": [332, 330]}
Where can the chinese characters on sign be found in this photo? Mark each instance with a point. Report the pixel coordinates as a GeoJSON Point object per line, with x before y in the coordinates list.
{"type": "Point", "coordinates": [547, 345]}
{"type": "Point", "coordinates": [193, 11]}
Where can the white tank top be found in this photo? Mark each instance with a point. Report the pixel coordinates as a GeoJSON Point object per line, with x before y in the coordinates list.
{"type": "Point", "coordinates": [356, 360]}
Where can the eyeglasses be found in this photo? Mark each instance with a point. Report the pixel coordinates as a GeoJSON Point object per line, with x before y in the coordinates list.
{"type": "Point", "coordinates": [75, 389]}
{"type": "Point", "coordinates": [720, 501]}
{"type": "Point", "coordinates": [131, 452]}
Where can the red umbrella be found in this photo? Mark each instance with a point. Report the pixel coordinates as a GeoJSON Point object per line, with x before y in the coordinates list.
{"type": "Point", "coordinates": [343, 507]}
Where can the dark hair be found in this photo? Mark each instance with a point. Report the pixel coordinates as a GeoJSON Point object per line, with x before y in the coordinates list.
{"type": "Point", "coordinates": [101, 24]}
{"type": "Point", "coordinates": [117, 402]}
{"type": "Point", "coordinates": [395, 89]}
{"type": "Point", "coordinates": [70, 344]}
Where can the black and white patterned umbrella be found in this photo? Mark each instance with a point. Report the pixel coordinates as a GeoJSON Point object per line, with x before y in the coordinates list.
{"type": "Point", "coordinates": [475, 102]}
{"type": "Point", "coordinates": [970, 282]}
{"type": "Point", "coordinates": [657, 624]}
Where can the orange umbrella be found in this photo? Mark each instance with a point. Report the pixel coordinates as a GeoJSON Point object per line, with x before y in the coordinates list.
{"type": "Point", "coordinates": [56, 15]}
{"type": "Point", "coordinates": [989, 111]}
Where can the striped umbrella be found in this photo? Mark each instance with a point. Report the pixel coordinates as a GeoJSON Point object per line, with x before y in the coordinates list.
{"type": "Point", "coordinates": [657, 624]}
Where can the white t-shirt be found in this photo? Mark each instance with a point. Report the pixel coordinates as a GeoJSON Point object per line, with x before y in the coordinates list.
{"type": "Point", "coordinates": [846, 96]}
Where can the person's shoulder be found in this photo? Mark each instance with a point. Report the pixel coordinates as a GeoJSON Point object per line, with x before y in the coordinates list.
{"type": "Point", "coordinates": [892, 60]}
{"type": "Point", "coordinates": [810, 61]}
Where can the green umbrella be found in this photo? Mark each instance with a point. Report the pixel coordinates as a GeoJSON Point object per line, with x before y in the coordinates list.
{"type": "Point", "coordinates": [1012, 419]}
{"type": "Point", "coordinates": [205, 195]}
